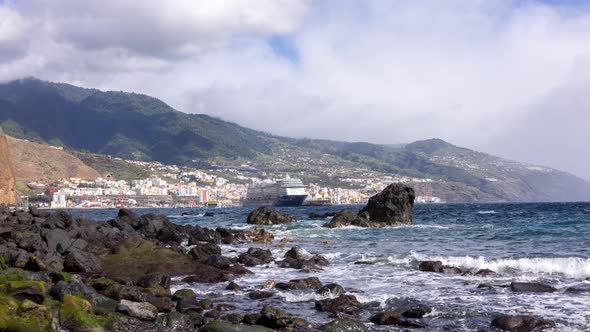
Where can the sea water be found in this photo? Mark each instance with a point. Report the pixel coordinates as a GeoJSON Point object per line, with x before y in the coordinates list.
{"type": "Point", "coordinates": [544, 242]}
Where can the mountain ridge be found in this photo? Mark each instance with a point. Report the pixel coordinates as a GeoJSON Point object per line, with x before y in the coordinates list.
{"type": "Point", "coordinates": [140, 127]}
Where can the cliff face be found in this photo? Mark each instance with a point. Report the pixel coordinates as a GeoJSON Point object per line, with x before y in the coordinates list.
{"type": "Point", "coordinates": [7, 182]}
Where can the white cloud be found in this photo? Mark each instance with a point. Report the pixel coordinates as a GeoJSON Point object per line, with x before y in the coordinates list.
{"type": "Point", "coordinates": [470, 71]}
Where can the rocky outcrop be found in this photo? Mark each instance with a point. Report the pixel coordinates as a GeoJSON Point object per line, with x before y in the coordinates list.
{"type": "Point", "coordinates": [393, 206]}
{"type": "Point", "coordinates": [267, 216]}
{"type": "Point", "coordinates": [61, 273]}
{"type": "Point", "coordinates": [8, 194]}
{"type": "Point", "coordinates": [521, 323]}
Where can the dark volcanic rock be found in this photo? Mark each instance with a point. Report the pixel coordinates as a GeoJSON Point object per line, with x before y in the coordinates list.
{"type": "Point", "coordinates": [203, 250]}
{"type": "Point", "coordinates": [485, 273]}
{"type": "Point", "coordinates": [278, 320]}
{"type": "Point", "coordinates": [431, 266]}
{"type": "Point", "coordinates": [331, 290]}
{"type": "Point", "coordinates": [256, 256]}
{"type": "Point", "coordinates": [317, 216]}
{"type": "Point", "coordinates": [295, 258]}
{"type": "Point", "coordinates": [521, 323]}
{"type": "Point", "coordinates": [451, 270]}
{"type": "Point", "coordinates": [394, 318]}
{"type": "Point", "coordinates": [308, 283]}
{"type": "Point", "coordinates": [531, 287]}
{"type": "Point", "coordinates": [392, 206]}
{"type": "Point", "coordinates": [344, 324]}
{"type": "Point", "coordinates": [258, 295]}
{"type": "Point", "coordinates": [266, 216]}
{"type": "Point", "coordinates": [347, 304]}
{"type": "Point", "coordinates": [208, 274]}
{"type": "Point", "coordinates": [80, 261]}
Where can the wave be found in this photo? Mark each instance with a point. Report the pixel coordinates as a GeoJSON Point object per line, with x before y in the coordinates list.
{"type": "Point", "coordinates": [574, 267]}
{"type": "Point", "coordinates": [487, 212]}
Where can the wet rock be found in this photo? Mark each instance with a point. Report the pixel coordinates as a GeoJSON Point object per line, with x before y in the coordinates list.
{"type": "Point", "coordinates": [260, 235]}
{"type": "Point", "coordinates": [344, 324]}
{"type": "Point", "coordinates": [394, 318]}
{"type": "Point", "coordinates": [218, 326]}
{"type": "Point", "coordinates": [324, 215]}
{"type": "Point", "coordinates": [234, 318]}
{"type": "Point", "coordinates": [269, 284]}
{"type": "Point", "coordinates": [256, 256]}
{"type": "Point", "coordinates": [521, 323]}
{"type": "Point", "coordinates": [485, 273]}
{"type": "Point", "coordinates": [188, 304]}
{"type": "Point", "coordinates": [63, 288]}
{"type": "Point", "coordinates": [80, 261]}
{"type": "Point", "coordinates": [531, 287]}
{"type": "Point", "coordinates": [267, 216]}
{"type": "Point", "coordinates": [277, 319]}
{"type": "Point", "coordinates": [332, 290]}
{"type": "Point", "coordinates": [155, 279]}
{"type": "Point", "coordinates": [213, 314]}
{"type": "Point", "coordinates": [365, 263]}
{"type": "Point", "coordinates": [141, 310]}
{"type": "Point", "coordinates": [392, 206]}
{"type": "Point", "coordinates": [208, 214]}
{"type": "Point", "coordinates": [258, 295]}
{"type": "Point", "coordinates": [217, 261]}
{"type": "Point", "coordinates": [308, 283]}
{"type": "Point", "coordinates": [347, 304]}
{"type": "Point", "coordinates": [183, 294]}
{"type": "Point", "coordinates": [203, 250]}
{"type": "Point", "coordinates": [431, 266]}
{"type": "Point", "coordinates": [250, 319]}
{"type": "Point", "coordinates": [102, 305]}
{"type": "Point", "coordinates": [233, 286]}
{"type": "Point", "coordinates": [416, 312]}
{"type": "Point", "coordinates": [207, 274]}
{"type": "Point", "coordinates": [295, 258]}
{"type": "Point", "coordinates": [451, 270]}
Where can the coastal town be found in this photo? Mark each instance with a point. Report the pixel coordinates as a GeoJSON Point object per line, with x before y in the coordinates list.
{"type": "Point", "coordinates": [174, 186]}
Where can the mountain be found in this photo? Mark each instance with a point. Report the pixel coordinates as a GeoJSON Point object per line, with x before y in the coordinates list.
{"type": "Point", "coordinates": [135, 126]}
{"type": "Point", "coordinates": [8, 194]}
{"type": "Point", "coordinates": [34, 162]}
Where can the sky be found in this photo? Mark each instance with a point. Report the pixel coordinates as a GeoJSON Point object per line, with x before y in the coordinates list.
{"type": "Point", "coordinates": [506, 77]}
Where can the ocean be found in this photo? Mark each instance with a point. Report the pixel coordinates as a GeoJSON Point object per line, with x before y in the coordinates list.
{"type": "Point", "coordinates": [545, 242]}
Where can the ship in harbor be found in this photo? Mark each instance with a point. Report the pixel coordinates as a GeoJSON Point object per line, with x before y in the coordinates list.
{"type": "Point", "coordinates": [282, 192]}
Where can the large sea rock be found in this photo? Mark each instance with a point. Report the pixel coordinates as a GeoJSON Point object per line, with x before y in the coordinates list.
{"type": "Point", "coordinates": [267, 216]}
{"type": "Point", "coordinates": [393, 206]}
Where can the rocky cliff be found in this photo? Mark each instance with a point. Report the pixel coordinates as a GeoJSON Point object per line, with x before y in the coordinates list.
{"type": "Point", "coordinates": [7, 181]}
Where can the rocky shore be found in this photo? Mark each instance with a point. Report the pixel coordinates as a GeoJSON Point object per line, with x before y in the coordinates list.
{"type": "Point", "coordinates": [60, 273]}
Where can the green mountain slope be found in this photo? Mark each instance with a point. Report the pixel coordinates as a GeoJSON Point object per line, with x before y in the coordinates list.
{"type": "Point", "coordinates": [135, 126]}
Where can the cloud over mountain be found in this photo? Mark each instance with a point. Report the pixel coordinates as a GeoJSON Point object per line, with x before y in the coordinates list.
{"type": "Point", "coordinates": [487, 74]}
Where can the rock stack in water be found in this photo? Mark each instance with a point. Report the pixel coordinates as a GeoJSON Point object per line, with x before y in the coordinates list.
{"type": "Point", "coordinates": [7, 182]}
{"type": "Point", "coordinates": [392, 206]}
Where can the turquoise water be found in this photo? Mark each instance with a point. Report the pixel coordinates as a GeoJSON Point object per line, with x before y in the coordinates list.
{"type": "Point", "coordinates": [522, 242]}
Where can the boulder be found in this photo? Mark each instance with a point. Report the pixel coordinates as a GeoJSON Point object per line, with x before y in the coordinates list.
{"type": "Point", "coordinates": [203, 250]}
{"type": "Point", "coordinates": [267, 216]}
{"type": "Point", "coordinates": [217, 261]}
{"type": "Point", "coordinates": [260, 235]}
{"type": "Point", "coordinates": [233, 286]}
{"type": "Point", "coordinates": [183, 294]}
{"type": "Point", "coordinates": [308, 283]}
{"type": "Point", "coordinates": [258, 295]}
{"type": "Point", "coordinates": [255, 256]}
{"type": "Point", "coordinates": [208, 274]}
{"type": "Point", "coordinates": [531, 287]}
{"type": "Point", "coordinates": [331, 290]}
{"type": "Point", "coordinates": [521, 323]}
{"type": "Point", "coordinates": [63, 288]}
{"type": "Point", "coordinates": [218, 326]}
{"type": "Point", "coordinates": [392, 206]}
{"type": "Point", "coordinates": [431, 266]}
{"type": "Point", "coordinates": [81, 261]}
{"type": "Point", "coordinates": [141, 310]}
{"type": "Point", "coordinates": [347, 304]}
{"type": "Point", "coordinates": [317, 216]}
{"type": "Point", "coordinates": [394, 318]}
{"type": "Point", "coordinates": [279, 320]}
{"type": "Point", "coordinates": [296, 258]}
{"type": "Point", "coordinates": [344, 324]}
